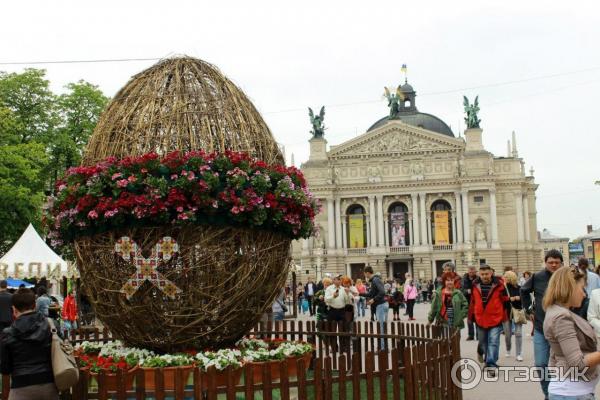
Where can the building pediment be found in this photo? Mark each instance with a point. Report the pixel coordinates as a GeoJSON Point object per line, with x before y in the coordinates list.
{"type": "Point", "coordinates": [396, 137]}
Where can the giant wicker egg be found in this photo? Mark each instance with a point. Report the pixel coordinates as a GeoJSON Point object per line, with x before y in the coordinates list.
{"type": "Point", "coordinates": [228, 276]}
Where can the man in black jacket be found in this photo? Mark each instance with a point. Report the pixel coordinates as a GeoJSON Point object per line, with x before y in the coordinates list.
{"type": "Point", "coordinates": [467, 289]}
{"type": "Point", "coordinates": [5, 306]}
{"type": "Point", "coordinates": [25, 350]}
{"type": "Point", "coordinates": [376, 296]}
{"type": "Point", "coordinates": [537, 284]}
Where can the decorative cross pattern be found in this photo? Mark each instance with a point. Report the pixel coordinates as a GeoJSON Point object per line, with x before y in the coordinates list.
{"type": "Point", "coordinates": [146, 267]}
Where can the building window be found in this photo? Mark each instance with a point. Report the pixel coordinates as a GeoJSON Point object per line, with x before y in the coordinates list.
{"type": "Point", "coordinates": [478, 199]}
{"type": "Point", "coordinates": [441, 223]}
{"type": "Point", "coordinates": [398, 225]}
{"type": "Point", "coordinates": [357, 227]}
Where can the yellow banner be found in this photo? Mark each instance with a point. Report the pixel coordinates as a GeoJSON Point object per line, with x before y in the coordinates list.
{"type": "Point", "coordinates": [442, 231]}
{"type": "Point", "coordinates": [356, 227]}
{"type": "Point", "coordinates": [596, 253]}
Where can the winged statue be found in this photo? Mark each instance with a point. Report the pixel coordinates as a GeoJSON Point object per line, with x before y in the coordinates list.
{"type": "Point", "coordinates": [394, 101]}
{"type": "Point", "coordinates": [318, 129]}
{"type": "Point", "coordinates": [471, 111]}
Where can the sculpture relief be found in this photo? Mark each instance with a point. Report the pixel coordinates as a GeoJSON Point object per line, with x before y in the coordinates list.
{"type": "Point", "coordinates": [318, 239]}
{"type": "Point", "coordinates": [416, 170]}
{"type": "Point", "coordinates": [480, 231]}
{"type": "Point", "coordinates": [397, 142]}
{"type": "Point", "coordinates": [374, 174]}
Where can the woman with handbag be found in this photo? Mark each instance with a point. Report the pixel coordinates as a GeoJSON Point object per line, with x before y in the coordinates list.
{"type": "Point", "coordinates": [514, 324]}
{"type": "Point", "coordinates": [25, 352]}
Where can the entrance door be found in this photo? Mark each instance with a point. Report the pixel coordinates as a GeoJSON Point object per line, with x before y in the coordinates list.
{"type": "Point", "coordinates": [438, 267]}
{"type": "Point", "coordinates": [399, 270]}
{"type": "Point", "coordinates": [357, 271]}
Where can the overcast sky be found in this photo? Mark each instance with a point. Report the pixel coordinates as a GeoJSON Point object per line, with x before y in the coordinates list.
{"type": "Point", "coordinates": [534, 65]}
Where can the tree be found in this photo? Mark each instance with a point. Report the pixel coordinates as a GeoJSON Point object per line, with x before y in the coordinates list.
{"type": "Point", "coordinates": [27, 95]}
{"type": "Point", "coordinates": [79, 110]}
{"type": "Point", "coordinates": [21, 189]}
{"type": "Point", "coordinates": [41, 135]}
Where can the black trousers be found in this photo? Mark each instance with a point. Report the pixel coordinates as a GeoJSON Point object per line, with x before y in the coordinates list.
{"type": "Point", "coordinates": [335, 314]}
{"type": "Point", "coordinates": [410, 305]}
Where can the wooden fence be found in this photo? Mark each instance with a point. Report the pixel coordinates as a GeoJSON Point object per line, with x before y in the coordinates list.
{"type": "Point", "coordinates": [347, 363]}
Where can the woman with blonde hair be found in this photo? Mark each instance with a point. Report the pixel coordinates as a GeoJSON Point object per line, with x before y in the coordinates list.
{"type": "Point", "coordinates": [572, 339]}
{"type": "Point", "coordinates": [516, 317]}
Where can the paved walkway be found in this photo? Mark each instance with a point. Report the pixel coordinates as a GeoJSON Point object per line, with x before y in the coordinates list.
{"type": "Point", "coordinates": [501, 389]}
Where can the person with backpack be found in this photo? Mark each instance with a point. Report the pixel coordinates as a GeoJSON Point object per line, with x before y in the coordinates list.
{"type": "Point", "coordinates": [25, 351]}
{"type": "Point", "coordinates": [376, 300]}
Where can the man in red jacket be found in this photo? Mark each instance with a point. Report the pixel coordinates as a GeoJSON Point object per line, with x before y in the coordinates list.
{"type": "Point", "coordinates": [488, 309]}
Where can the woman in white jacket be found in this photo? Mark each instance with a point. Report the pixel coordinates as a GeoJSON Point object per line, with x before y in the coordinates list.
{"type": "Point", "coordinates": [593, 313]}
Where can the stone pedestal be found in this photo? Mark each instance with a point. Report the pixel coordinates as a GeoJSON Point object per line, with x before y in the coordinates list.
{"type": "Point", "coordinates": [473, 138]}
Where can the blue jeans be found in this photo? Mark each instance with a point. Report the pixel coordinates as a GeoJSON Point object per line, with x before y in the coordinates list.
{"type": "Point", "coordinates": [489, 344]}
{"type": "Point", "coordinates": [361, 307]}
{"type": "Point", "coordinates": [382, 312]}
{"type": "Point", "coordinates": [541, 354]}
{"type": "Point", "coordinates": [559, 397]}
{"type": "Point", "coordinates": [278, 315]}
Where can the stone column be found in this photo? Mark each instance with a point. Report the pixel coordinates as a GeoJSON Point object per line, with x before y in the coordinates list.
{"type": "Point", "coordinates": [423, 212]}
{"type": "Point", "coordinates": [526, 217]}
{"type": "Point", "coordinates": [411, 238]}
{"type": "Point", "coordinates": [453, 216]}
{"type": "Point", "coordinates": [416, 237]}
{"type": "Point", "coordinates": [372, 222]}
{"type": "Point", "coordinates": [519, 211]}
{"type": "Point", "coordinates": [344, 233]}
{"type": "Point", "coordinates": [338, 225]}
{"type": "Point", "coordinates": [330, 224]}
{"type": "Point", "coordinates": [386, 224]}
{"type": "Point", "coordinates": [459, 217]}
{"type": "Point", "coordinates": [429, 232]}
{"type": "Point", "coordinates": [368, 238]}
{"type": "Point", "coordinates": [466, 223]}
{"type": "Point", "coordinates": [493, 218]}
{"type": "Point", "coordinates": [380, 220]}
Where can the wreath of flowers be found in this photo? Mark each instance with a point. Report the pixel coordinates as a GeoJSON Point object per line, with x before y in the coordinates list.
{"type": "Point", "coordinates": [229, 188]}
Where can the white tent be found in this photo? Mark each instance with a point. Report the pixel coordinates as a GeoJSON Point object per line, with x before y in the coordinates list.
{"type": "Point", "coordinates": [30, 257]}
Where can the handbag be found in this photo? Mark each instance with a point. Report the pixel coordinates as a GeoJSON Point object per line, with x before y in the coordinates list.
{"type": "Point", "coordinates": [516, 314]}
{"type": "Point", "coordinates": [283, 306]}
{"type": "Point", "coordinates": [64, 366]}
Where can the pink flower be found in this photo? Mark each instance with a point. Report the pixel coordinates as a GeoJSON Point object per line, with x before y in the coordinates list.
{"type": "Point", "coordinates": [117, 175]}
{"type": "Point", "coordinates": [144, 170]}
{"type": "Point", "coordinates": [132, 178]}
{"type": "Point", "coordinates": [215, 204]}
{"type": "Point", "coordinates": [92, 214]}
{"type": "Point", "coordinates": [62, 187]}
{"type": "Point", "coordinates": [111, 213]}
{"type": "Point", "coordinates": [122, 183]}
{"type": "Point", "coordinates": [179, 209]}
{"type": "Point", "coordinates": [182, 216]}
{"type": "Point", "coordinates": [235, 210]}
{"type": "Point", "coordinates": [191, 176]}
{"type": "Point", "coordinates": [174, 177]}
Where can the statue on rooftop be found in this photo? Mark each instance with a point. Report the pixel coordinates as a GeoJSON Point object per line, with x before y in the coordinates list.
{"type": "Point", "coordinates": [318, 130]}
{"type": "Point", "coordinates": [394, 101]}
{"type": "Point", "coordinates": [471, 111]}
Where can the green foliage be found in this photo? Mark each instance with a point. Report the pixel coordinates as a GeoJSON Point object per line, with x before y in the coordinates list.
{"type": "Point", "coordinates": [21, 189]}
{"type": "Point", "coordinates": [41, 135]}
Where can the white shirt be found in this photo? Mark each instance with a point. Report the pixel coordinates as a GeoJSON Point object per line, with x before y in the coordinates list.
{"type": "Point", "coordinates": [337, 302]}
{"type": "Point", "coordinates": [311, 291]}
{"type": "Point", "coordinates": [570, 387]}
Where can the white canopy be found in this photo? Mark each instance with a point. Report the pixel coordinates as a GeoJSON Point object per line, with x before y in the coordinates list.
{"type": "Point", "coordinates": [30, 257]}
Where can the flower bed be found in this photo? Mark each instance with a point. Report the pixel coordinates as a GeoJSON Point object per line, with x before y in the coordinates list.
{"type": "Point", "coordinates": [196, 187]}
{"type": "Point", "coordinates": [114, 355]}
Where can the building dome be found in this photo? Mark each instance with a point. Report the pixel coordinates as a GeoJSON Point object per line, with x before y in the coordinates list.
{"type": "Point", "coordinates": [409, 114]}
{"type": "Point", "coordinates": [421, 120]}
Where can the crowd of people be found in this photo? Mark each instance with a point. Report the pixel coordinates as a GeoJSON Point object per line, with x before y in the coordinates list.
{"type": "Point", "coordinates": [563, 302]}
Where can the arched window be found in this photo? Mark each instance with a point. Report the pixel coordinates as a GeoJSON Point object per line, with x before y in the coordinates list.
{"type": "Point", "coordinates": [441, 223]}
{"type": "Point", "coordinates": [398, 226]}
{"type": "Point", "coordinates": [406, 103]}
{"type": "Point", "coordinates": [357, 227]}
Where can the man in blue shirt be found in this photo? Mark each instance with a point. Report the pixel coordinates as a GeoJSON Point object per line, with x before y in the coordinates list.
{"type": "Point", "coordinates": [593, 280]}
